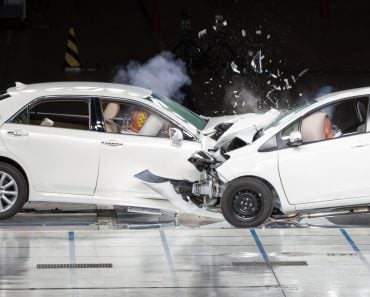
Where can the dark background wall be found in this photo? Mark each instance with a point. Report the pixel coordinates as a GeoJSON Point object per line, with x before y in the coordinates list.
{"type": "Point", "coordinates": [330, 38]}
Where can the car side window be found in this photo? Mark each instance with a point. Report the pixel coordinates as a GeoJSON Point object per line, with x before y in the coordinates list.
{"type": "Point", "coordinates": [291, 128]}
{"type": "Point", "coordinates": [70, 114]}
{"type": "Point", "coordinates": [335, 120]}
{"type": "Point", "coordinates": [129, 118]}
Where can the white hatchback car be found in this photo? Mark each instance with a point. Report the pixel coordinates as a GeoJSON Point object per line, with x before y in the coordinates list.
{"type": "Point", "coordinates": [86, 142]}
{"type": "Point", "coordinates": [310, 159]}
{"type": "Point", "coordinates": [313, 158]}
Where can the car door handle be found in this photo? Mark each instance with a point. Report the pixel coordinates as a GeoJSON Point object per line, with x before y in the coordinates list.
{"type": "Point", "coordinates": [112, 142]}
{"type": "Point", "coordinates": [18, 133]}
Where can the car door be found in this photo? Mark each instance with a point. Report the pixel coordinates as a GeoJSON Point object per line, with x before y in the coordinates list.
{"type": "Point", "coordinates": [333, 166]}
{"type": "Point", "coordinates": [137, 139]}
{"type": "Point", "coordinates": [51, 138]}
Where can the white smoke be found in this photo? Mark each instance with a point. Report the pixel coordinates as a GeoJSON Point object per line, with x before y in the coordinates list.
{"type": "Point", "coordinates": [241, 99]}
{"type": "Point", "coordinates": [163, 74]}
{"type": "Point", "coordinates": [323, 91]}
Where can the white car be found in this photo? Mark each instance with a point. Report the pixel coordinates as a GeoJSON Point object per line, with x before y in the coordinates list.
{"type": "Point", "coordinates": [114, 144]}
{"type": "Point", "coordinates": [88, 143]}
{"type": "Point", "coordinates": [310, 159]}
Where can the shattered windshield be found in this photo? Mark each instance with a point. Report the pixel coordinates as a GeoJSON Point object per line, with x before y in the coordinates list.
{"type": "Point", "coordinates": [286, 113]}
{"type": "Point", "coordinates": [180, 111]}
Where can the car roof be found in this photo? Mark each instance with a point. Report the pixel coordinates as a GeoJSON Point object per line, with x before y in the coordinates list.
{"type": "Point", "coordinates": [343, 94]}
{"type": "Point", "coordinates": [79, 88]}
{"type": "Point", "coordinates": [22, 94]}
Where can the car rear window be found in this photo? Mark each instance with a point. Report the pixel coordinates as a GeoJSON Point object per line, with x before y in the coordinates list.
{"type": "Point", "coordinates": [69, 114]}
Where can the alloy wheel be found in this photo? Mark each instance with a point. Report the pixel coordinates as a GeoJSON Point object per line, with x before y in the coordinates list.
{"type": "Point", "coordinates": [8, 191]}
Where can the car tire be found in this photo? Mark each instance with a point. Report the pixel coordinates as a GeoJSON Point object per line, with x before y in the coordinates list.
{"type": "Point", "coordinates": [11, 181]}
{"type": "Point", "coordinates": [247, 202]}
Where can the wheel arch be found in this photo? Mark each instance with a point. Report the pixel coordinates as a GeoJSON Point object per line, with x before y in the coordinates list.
{"type": "Point", "coordinates": [18, 166]}
{"type": "Point", "coordinates": [275, 194]}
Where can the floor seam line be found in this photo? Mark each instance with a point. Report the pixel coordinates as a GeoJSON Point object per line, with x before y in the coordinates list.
{"type": "Point", "coordinates": [171, 266]}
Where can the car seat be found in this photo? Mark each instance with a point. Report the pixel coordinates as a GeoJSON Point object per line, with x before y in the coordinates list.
{"type": "Point", "coordinates": [46, 122]}
{"type": "Point", "coordinates": [361, 114]}
{"type": "Point", "coordinates": [110, 112]}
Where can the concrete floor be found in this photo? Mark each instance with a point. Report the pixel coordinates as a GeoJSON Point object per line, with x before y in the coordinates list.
{"type": "Point", "coordinates": [195, 258]}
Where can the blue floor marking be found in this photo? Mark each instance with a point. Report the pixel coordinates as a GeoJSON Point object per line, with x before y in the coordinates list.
{"type": "Point", "coordinates": [72, 260]}
{"type": "Point", "coordinates": [260, 247]}
{"type": "Point", "coordinates": [170, 263]}
{"type": "Point", "coordinates": [356, 248]}
{"type": "Point", "coordinates": [265, 256]}
{"type": "Point", "coordinates": [72, 247]}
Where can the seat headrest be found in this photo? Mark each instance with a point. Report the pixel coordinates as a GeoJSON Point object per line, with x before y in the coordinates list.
{"type": "Point", "coordinates": [47, 122]}
{"type": "Point", "coordinates": [361, 111]}
{"type": "Point", "coordinates": [111, 111]}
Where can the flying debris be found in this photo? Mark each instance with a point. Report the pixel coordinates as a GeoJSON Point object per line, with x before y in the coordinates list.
{"type": "Point", "coordinates": [250, 53]}
{"type": "Point", "coordinates": [287, 85]}
{"type": "Point", "coordinates": [224, 23]}
{"type": "Point", "coordinates": [268, 36]}
{"type": "Point", "coordinates": [268, 96]}
{"type": "Point", "coordinates": [278, 88]}
{"type": "Point", "coordinates": [202, 33]}
{"type": "Point", "coordinates": [257, 62]}
{"type": "Point", "coordinates": [244, 33]}
{"type": "Point", "coordinates": [234, 67]}
{"type": "Point", "coordinates": [258, 32]}
{"type": "Point", "coordinates": [303, 72]}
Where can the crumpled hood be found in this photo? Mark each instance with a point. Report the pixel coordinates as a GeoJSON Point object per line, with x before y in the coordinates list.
{"type": "Point", "coordinates": [243, 126]}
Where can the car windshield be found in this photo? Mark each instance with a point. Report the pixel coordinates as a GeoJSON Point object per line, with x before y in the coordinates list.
{"type": "Point", "coordinates": [180, 111]}
{"type": "Point", "coordinates": [286, 113]}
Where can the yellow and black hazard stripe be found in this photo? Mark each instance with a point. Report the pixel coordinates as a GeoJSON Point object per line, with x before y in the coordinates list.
{"type": "Point", "coordinates": [72, 57]}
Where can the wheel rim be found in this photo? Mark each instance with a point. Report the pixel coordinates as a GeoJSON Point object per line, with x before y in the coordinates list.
{"type": "Point", "coordinates": [8, 191]}
{"type": "Point", "coordinates": [247, 204]}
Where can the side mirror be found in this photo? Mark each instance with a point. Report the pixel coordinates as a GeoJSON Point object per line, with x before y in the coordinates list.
{"type": "Point", "coordinates": [295, 138]}
{"type": "Point", "coordinates": [176, 136]}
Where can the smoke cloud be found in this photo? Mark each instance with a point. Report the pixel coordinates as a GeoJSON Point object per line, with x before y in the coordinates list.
{"type": "Point", "coordinates": [241, 99]}
{"type": "Point", "coordinates": [163, 74]}
{"type": "Point", "coordinates": [323, 91]}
